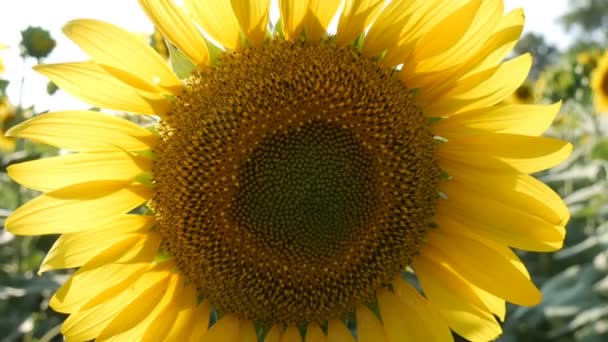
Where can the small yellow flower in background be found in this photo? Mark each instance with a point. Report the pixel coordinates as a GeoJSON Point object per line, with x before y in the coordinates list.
{"type": "Point", "coordinates": [589, 58]}
{"type": "Point", "coordinates": [2, 47]}
{"type": "Point", "coordinates": [294, 183]}
{"type": "Point", "coordinates": [599, 84]}
{"type": "Point", "coordinates": [7, 113]}
{"type": "Point", "coordinates": [6, 144]}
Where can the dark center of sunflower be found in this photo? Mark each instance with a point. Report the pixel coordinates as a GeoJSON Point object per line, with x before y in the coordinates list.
{"type": "Point", "coordinates": [306, 192]}
{"type": "Point", "coordinates": [293, 181]}
{"type": "Point", "coordinates": [605, 83]}
{"type": "Point", "coordinates": [524, 92]}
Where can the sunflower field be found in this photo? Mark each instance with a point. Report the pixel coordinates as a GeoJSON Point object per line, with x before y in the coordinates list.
{"type": "Point", "coordinates": [302, 171]}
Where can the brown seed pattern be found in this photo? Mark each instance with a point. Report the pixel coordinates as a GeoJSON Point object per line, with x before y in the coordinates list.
{"type": "Point", "coordinates": [293, 180]}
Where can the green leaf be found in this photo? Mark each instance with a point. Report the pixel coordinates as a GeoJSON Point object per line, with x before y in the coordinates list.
{"type": "Point", "coordinates": [600, 150]}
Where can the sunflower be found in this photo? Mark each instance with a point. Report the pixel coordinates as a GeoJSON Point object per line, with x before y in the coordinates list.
{"type": "Point", "coordinates": [7, 114]}
{"type": "Point", "coordinates": [524, 94]}
{"type": "Point", "coordinates": [296, 185]}
{"type": "Point", "coordinates": [2, 47]}
{"type": "Point", "coordinates": [599, 84]}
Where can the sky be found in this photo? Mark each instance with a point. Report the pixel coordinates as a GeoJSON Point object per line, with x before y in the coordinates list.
{"type": "Point", "coordinates": [51, 15]}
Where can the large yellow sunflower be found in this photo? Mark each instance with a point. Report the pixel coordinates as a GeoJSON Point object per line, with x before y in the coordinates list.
{"type": "Point", "coordinates": [298, 186]}
{"type": "Point", "coordinates": [599, 84]}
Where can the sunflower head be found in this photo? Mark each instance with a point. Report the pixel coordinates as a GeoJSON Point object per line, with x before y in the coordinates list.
{"type": "Point", "coordinates": [296, 181]}
{"type": "Point", "coordinates": [7, 114]}
{"type": "Point", "coordinates": [2, 47]}
{"type": "Point", "coordinates": [599, 84]}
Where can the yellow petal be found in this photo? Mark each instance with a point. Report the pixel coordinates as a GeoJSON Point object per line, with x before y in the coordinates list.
{"type": "Point", "coordinates": [274, 335]}
{"type": "Point", "coordinates": [486, 83]}
{"type": "Point", "coordinates": [118, 265]}
{"type": "Point", "coordinates": [88, 323]}
{"type": "Point", "coordinates": [293, 13]}
{"type": "Point", "coordinates": [407, 316]}
{"type": "Point", "coordinates": [446, 33]}
{"type": "Point", "coordinates": [519, 191]}
{"type": "Point", "coordinates": [485, 268]}
{"type": "Point", "coordinates": [85, 131]}
{"type": "Point", "coordinates": [253, 18]}
{"type": "Point", "coordinates": [320, 13]}
{"type": "Point", "coordinates": [356, 17]}
{"type": "Point", "coordinates": [505, 152]}
{"type": "Point", "coordinates": [449, 226]}
{"type": "Point", "coordinates": [247, 331]}
{"type": "Point", "coordinates": [178, 29]}
{"type": "Point", "coordinates": [161, 321]}
{"type": "Point", "coordinates": [513, 119]}
{"type": "Point", "coordinates": [503, 222]}
{"type": "Point", "coordinates": [464, 311]}
{"type": "Point", "coordinates": [410, 29]}
{"type": "Point", "coordinates": [489, 54]}
{"type": "Point", "coordinates": [368, 327]}
{"type": "Point", "coordinates": [231, 329]}
{"type": "Point", "coordinates": [516, 237]}
{"type": "Point", "coordinates": [76, 208]}
{"type": "Point", "coordinates": [314, 333]}
{"type": "Point", "coordinates": [111, 45]}
{"type": "Point", "coordinates": [50, 174]}
{"type": "Point", "coordinates": [218, 20]}
{"type": "Point", "coordinates": [337, 332]}
{"type": "Point", "coordinates": [496, 305]}
{"type": "Point", "coordinates": [485, 17]}
{"type": "Point", "coordinates": [291, 334]}
{"type": "Point", "coordinates": [483, 89]}
{"type": "Point", "coordinates": [73, 250]}
{"type": "Point", "coordinates": [201, 314]}
{"type": "Point", "coordinates": [387, 31]}
{"type": "Point", "coordinates": [132, 322]}
{"type": "Point", "coordinates": [506, 35]}
{"type": "Point", "coordinates": [182, 325]}
{"type": "Point", "coordinates": [91, 83]}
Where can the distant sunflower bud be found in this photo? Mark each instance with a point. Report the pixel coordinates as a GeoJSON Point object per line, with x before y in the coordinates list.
{"type": "Point", "coordinates": [51, 88]}
{"type": "Point", "coordinates": [37, 42]}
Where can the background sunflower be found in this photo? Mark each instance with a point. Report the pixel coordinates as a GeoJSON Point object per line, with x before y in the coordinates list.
{"type": "Point", "coordinates": [572, 280]}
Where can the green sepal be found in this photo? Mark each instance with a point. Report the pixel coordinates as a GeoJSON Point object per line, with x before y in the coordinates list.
{"type": "Point", "coordinates": [144, 178]}
{"type": "Point", "coordinates": [153, 129]}
{"type": "Point", "coordinates": [358, 42]}
{"type": "Point", "coordinates": [163, 255]}
{"type": "Point", "coordinates": [182, 66]}
{"type": "Point", "coordinates": [433, 119]}
{"type": "Point", "coordinates": [146, 153]}
{"type": "Point", "coordinates": [215, 52]}
{"type": "Point", "coordinates": [277, 30]}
